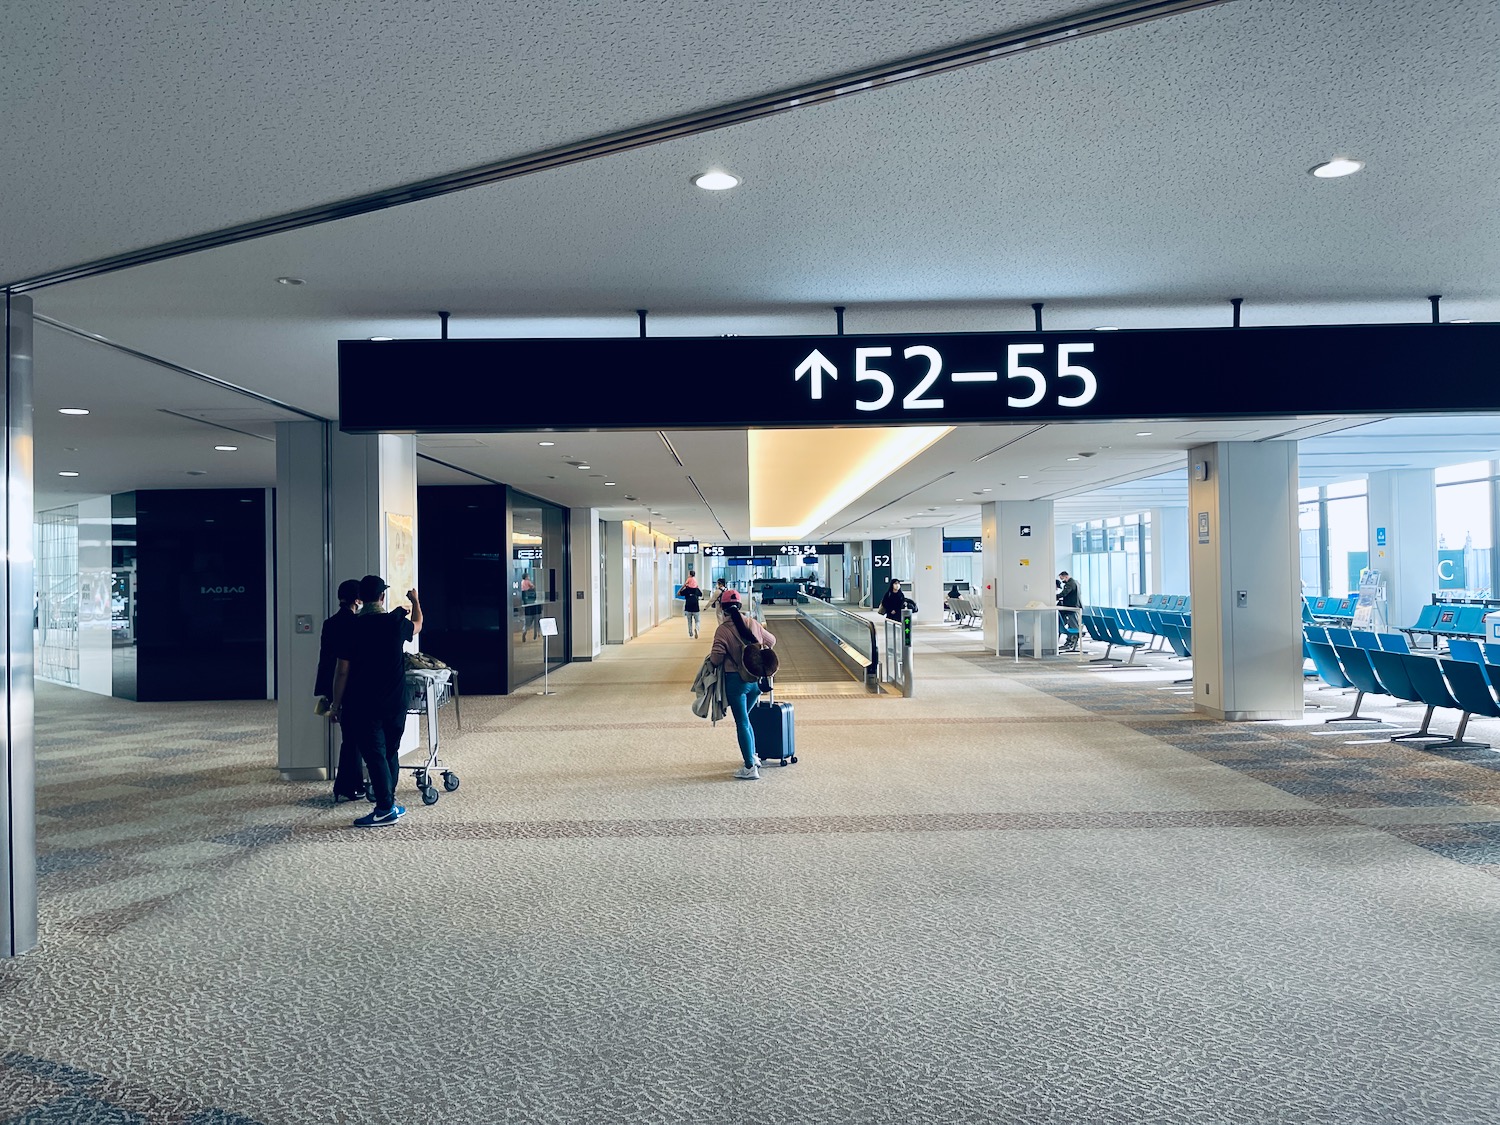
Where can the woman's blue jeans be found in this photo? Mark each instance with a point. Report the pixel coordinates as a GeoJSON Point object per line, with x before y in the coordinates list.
{"type": "Point", "coordinates": [742, 696]}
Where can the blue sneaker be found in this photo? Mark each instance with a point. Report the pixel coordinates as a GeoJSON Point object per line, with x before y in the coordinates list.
{"type": "Point", "coordinates": [377, 819]}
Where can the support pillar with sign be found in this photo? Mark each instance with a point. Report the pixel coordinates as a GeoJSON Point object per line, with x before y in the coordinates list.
{"type": "Point", "coordinates": [1246, 584]}
{"type": "Point", "coordinates": [927, 577]}
{"type": "Point", "coordinates": [1403, 541]}
{"type": "Point", "coordinates": [1017, 568]}
{"type": "Point", "coordinates": [346, 507]}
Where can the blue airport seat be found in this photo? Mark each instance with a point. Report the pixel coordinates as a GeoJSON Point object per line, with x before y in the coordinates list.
{"type": "Point", "coordinates": [1390, 669]}
{"type": "Point", "coordinates": [1460, 648]}
{"type": "Point", "coordinates": [1471, 689]}
{"type": "Point", "coordinates": [1306, 611]}
{"type": "Point", "coordinates": [1427, 677]}
{"type": "Point", "coordinates": [1113, 639]}
{"type": "Point", "coordinates": [1491, 653]}
{"type": "Point", "coordinates": [1339, 636]}
{"type": "Point", "coordinates": [1427, 622]}
{"type": "Point", "coordinates": [1471, 619]}
{"type": "Point", "coordinates": [1316, 633]}
{"type": "Point", "coordinates": [1327, 663]}
{"type": "Point", "coordinates": [1365, 638]}
{"type": "Point", "coordinates": [1393, 642]}
{"type": "Point", "coordinates": [1357, 667]}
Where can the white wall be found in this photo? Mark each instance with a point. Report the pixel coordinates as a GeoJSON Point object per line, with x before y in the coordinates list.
{"type": "Point", "coordinates": [586, 625]}
{"type": "Point", "coordinates": [95, 638]}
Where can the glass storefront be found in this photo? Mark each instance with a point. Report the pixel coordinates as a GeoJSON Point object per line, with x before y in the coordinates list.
{"type": "Point", "coordinates": [538, 583]}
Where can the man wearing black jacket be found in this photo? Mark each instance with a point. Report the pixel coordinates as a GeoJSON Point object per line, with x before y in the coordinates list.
{"type": "Point", "coordinates": [369, 692]}
{"type": "Point", "coordinates": [349, 781]}
{"type": "Point", "coordinates": [1068, 623]}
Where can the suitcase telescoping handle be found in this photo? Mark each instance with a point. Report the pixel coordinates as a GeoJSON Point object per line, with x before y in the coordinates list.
{"type": "Point", "coordinates": [768, 689]}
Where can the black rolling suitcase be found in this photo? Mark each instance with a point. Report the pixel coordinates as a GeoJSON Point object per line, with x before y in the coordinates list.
{"type": "Point", "coordinates": [775, 733]}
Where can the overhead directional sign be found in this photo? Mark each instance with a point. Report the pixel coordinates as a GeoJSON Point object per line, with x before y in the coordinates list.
{"type": "Point", "coordinates": [434, 386]}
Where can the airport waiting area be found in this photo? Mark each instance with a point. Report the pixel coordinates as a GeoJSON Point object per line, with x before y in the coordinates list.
{"type": "Point", "coordinates": [1044, 892]}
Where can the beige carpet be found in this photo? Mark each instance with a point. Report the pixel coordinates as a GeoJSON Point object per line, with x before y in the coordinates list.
{"type": "Point", "coordinates": [1024, 895]}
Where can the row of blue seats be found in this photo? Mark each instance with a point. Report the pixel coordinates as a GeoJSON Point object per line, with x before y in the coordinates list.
{"type": "Point", "coordinates": [1364, 638]}
{"type": "Point", "coordinates": [1175, 603]}
{"type": "Point", "coordinates": [1337, 609]}
{"type": "Point", "coordinates": [1110, 624]}
{"type": "Point", "coordinates": [1449, 619]}
{"type": "Point", "coordinates": [1461, 685]}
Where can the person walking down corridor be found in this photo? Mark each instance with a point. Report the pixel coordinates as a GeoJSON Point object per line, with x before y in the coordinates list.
{"type": "Point", "coordinates": [369, 692]}
{"type": "Point", "coordinates": [741, 686]}
{"type": "Point", "coordinates": [894, 604]}
{"type": "Point", "coordinates": [692, 602]}
{"type": "Point", "coordinates": [1068, 621]}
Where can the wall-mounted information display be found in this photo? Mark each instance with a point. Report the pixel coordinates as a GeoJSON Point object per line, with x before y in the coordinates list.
{"type": "Point", "coordinates": [963, 545]}
{"type": "Point", "coordinates": [714, 552]}
{"type": "Point", "coordinates": [885, 380]}
{"type": "Point", "coordinates": [527, 554]}
{"type": "Point", "coordinates": [685, 547]}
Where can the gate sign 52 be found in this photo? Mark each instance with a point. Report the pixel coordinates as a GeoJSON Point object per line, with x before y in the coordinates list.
{"type": "Point", "coordinates": [923, 380]}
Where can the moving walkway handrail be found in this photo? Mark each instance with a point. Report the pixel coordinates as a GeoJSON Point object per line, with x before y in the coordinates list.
{"type": "Point", "coordinates": [853, 635]}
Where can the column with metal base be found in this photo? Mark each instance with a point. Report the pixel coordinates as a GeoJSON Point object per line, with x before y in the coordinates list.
{"type": "Point", "coordinates": [18, 910]}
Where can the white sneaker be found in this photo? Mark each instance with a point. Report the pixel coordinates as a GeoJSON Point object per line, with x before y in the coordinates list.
{"type": "Point", "coordinates": [750, 774]}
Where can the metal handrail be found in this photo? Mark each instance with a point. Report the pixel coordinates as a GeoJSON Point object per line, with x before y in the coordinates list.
{"type": "Point", "coordinates": [856, 642]}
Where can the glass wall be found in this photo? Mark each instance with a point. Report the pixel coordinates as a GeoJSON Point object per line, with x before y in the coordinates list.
{"type": "Point", "coordinates": [1112, 558]}
{"type": "Point", "coordinates": [1465, 536]}
{"type": "Point", "coordinates": [538, 582]}
{"type": "Point", "coordinates": [56, 616]}
{"type": "Point", "coordinates": [1334, 537]}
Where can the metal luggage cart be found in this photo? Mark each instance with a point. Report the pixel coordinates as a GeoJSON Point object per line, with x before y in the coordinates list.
{"type": "Point", "coordinates": [427, 690]}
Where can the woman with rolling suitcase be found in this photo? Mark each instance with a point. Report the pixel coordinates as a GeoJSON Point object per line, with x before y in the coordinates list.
{"type": "Point", "coordinates": [742, 647]}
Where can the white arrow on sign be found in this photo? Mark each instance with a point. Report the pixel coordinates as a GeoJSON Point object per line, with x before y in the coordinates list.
{"type": "Point", "coordinates": [815, 367]}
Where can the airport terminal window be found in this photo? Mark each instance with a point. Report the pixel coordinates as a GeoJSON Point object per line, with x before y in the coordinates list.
{"type": "Point", "coordinates": [1465, 528]}
{"type": "Point", "coordinates": [1310, 542]}
{"type": "Point", "coordinates": [1111, 558]}
{"type": "Point", "coordinates": [1333, 538]}
{"type": "Point", "coordinates": [56, 617]}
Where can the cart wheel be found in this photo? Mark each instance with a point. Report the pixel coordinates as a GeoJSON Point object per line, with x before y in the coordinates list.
{"type": "Point", "coordinates": [794, 757]}
{"type": "Point", "coordinates": [420, 777]}
{"type": "Point", "coordinates": [430, 795]}
{"type": "Point", "coordinates": [450, 781]}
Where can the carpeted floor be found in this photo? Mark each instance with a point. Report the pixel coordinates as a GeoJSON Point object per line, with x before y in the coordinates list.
{"type": "Point", "coordinates": [1039, 893]}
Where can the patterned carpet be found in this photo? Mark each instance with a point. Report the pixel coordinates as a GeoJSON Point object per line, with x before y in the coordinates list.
{"type": "Point", "coordinates": [1035, 893]}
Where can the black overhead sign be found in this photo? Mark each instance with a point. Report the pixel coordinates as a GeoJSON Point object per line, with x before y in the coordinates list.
{"type": "Point", "coordinates": [432, 386]}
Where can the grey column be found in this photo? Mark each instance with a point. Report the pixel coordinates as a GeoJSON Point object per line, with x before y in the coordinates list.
{"type": "Point", "coordinates": [303, 594]}
{"type": "Point", "coordinates": [17, 577]}
{"type": "Point", "coordinates": [1246, 585]}
{"type": "Point", "coordinates": [1018, 571]}
{"type": "Point", "coordinates": [1403, 505]}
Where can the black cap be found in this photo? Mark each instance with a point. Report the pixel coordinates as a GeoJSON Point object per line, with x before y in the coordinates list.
{"type": "Point", "coordinates": [371, 586]}
{"type": "Point", "coordinates": [349, 590]}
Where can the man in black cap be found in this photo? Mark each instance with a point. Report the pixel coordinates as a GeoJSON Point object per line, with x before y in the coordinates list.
{"type": "Point", "coordinates": [349, 782]}
{"type": "Point", "coordinates": [369, 692]}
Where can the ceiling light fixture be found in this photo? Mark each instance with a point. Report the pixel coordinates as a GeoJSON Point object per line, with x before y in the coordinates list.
{"type": "Point", "coordinates": [71, 410]}
{"type": "Point", "coordinates": [546, 443]}
{"type": "Point", "coordinates": [226, 448]}
{"type": "Point", "coordinates": [1450, 322]}
{"type": "Point", "coordinates": [381, 339]}
{"type": "Point", "coordinates": [986, 490]}
{"type": "Point", "coordinates": [1024, 476]}
{"type": "Point", "coordinates": [585, 466]}
{"type": "Point", "coordinates": [1072, 458]}
{"type": "Point", "coordinates": [609, 484]}
{"type": "Point", "coordinates": [1106, 328]}
{"type": "Point", "coordinates": [290, 281]}
{"type": "Point", "coordinates": [1143, 433]}
{"type": "Point", "coordinates": [715, 181]}
{"type": "Point", "coordinates": [67, 473]}
{"type": "Point", "coordinates": [1338, 166]}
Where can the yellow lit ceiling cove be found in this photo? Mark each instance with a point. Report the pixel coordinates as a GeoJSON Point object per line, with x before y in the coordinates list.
{"type": "Point", "coordinates": [800, 479]}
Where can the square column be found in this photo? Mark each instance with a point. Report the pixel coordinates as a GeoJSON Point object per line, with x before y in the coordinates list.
{"type": "Point", "coordinates": [1017, 569]}
{"type": "Point", "coordinates": [346, 507]}
{"type": "Point", "coordinates": [1245, 581]}
{"type": "Point", "coordinates": [927, 572]}
{"type": "Point", "coordinates": [588, 571]}
{"type": "Point", "coordinates": [1403, 541]}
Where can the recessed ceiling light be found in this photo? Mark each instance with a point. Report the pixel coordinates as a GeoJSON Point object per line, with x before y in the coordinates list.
{"type": "Point", "coordinates": [1107, 328]}
{"type": "Point", "coordinates": [1072, 458]}
{"type": "Point", "coordinates": [1143, 433]}
{"type": "Point", "coordinates": [226, 448]}
{"type": "Point", "coordinates": [1024, 476]}
{"type": "Point", "coordinates": [1450, 322]}
{"type": "Point", "coordinates": [1338, 166]}
{"type": "Point", "coordinates": [585, 466]}
{"type": "Point", "coordinates": [716, 181]}
{"type": "Point", "coordinates": [609, 484]}
{"type": "Point", "coordinates": [67, 473]}
{"type": "Point", "coordinates": [290, 281]}
{"type": "Point", "coordinates": [71, 410]}
{"type": "Point", "coordinates": [987, 490]}
{"type": "Point", "coordinates": [546, 443]}
{"type": "Point", "coordinates": [958, 499]}
{"type": "Point", "coordinates": [381, 339]}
